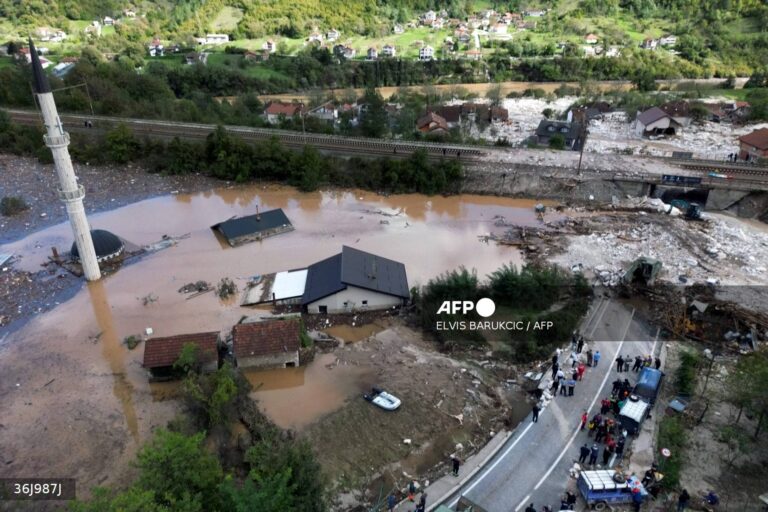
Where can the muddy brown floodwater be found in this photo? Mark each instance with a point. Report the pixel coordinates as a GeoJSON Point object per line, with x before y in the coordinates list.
{"type": "Point", "coordinates": [74, 401]}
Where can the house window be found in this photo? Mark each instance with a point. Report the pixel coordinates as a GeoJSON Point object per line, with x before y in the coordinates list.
{"type": "Point", "coordinates": [323, 310]}
{"type": "Point", "coordinates": [365, 303]}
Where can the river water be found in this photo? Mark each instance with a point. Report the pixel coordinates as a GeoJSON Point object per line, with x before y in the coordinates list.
{"type": "Point", "coordinates": [430, 235]}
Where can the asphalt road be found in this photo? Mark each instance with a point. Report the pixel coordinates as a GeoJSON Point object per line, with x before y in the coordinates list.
{"type": "Point", "coordinates": [533, 466]}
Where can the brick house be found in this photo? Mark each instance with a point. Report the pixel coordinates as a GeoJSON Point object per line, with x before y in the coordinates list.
{"type": "Point", "coordinates": [754, 146]}
{"type": "Point", "coordinates": [161, 353]}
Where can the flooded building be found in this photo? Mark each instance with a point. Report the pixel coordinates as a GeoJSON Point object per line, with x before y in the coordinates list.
{"type": "Point", "coordinates": [267, 344]}
{"type": "Point", "coordinates": [255, 227]}
{"type": "Point", "coordinates": [107, 245]}
{"type": "Point", "coordinates": [354, 280]}
{"type": "Point", "coordinates": [161, 353]}
{"type": "Point", "coordinates": [282, 288]}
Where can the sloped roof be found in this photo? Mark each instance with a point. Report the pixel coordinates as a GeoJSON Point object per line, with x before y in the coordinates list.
{"type": "Point", "coordinates": [499, 113]}
{"type": "Point", "coordinates": [571, 129]}
{"type": "Point", "coordinates": [159, 352]}
{"type": "Point", "coordinates": [252, 224]}
{"type": "Point", "coordinates": [265, 338]}
{"type": "Point", "coordinates": [677, 108]}
{"type": "Point", "coordinates": [429, 118]}
{"type": "Point", "coordinates": [288, 109]}
{"type": "Point", "coordinates": [758, 139]}
{"type": "Point", "coordinates": [355, 268]}
{"type": "Point", "coordinates": [651, 116]}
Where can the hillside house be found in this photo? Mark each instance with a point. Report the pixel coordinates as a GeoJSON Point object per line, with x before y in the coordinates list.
{"type": "Point", "coordinates": [649, 44]}
{"type": "Point", "coordinates": [107, 21]}
{"type": "Point", "coordinates": [156, 48]}
{"type": "Point", "coordinates": [161, 353]}
{"type": "Point", "coordinates": [462, 35]}
{"type": "Point", "coordinates": [267, 344]}
{"type": "Point", "coordinates": [129, 13]}
{"type": "Point", "coordinates": [332, 35]}
{"type": "Point", "coordinates": [498, 28]}
{"type": "Point", "coordinates": [426, 53]}
{"type": "Point", "coordinates": [275, 111]}
{"type": "Point", "coordinates": [372, 54]}
{"type": "Point", "coordinates": [269, 45]}
{"type": "Point", "coordinates": [315, 37]}
{"type": "Point", "coordinates": [655, 121]}
{"type": "Point", "coordinates": [355, 280]}
{"type": "Point", "coordinates": [428, 17]}
{"type": "Point", "coordinates": [216, 39]}
{"type": "Point", "coordinates": [349, 52]}
{"type": "Point", "coordinates": [668, 40]}
{"type": "Point", "coordinates": [192, 58]}
{"type": "Point", "coordinates": [499, 115]}
{"type": "Point", "coordinates": [398, 29]}
{"type": "Point", "coordinates": [474, 55]}
{"type": "Point", "coordinates": [754, 146]}
{"type": "Point", "coordinates": [536, 13]}
{"type": "Point", "coordinates": [62, 69]}
{"type": "Point", "coordinates": [570, 132]}
{"type": "Point", "coordinates": [259, 56]}
{"type": "Point", "coordinates": [388, 50]}
{"type": "Point", "coordinates": [591, 39]}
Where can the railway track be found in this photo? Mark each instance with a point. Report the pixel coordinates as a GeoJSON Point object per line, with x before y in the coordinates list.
{"type": "Point", "coordinates": [347, 145]}
{"type": "Point", "coordinates": [351, 145]}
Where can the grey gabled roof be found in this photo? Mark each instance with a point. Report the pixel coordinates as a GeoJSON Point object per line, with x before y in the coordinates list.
{"type": "Point", "coordinates": [235, 228]}
{"type": "Point", "coordinates": [323, 279]}
{"type": "Point", "coordinates": [353, 267]}
{"type": "Point", "coordinates": [651, 116]}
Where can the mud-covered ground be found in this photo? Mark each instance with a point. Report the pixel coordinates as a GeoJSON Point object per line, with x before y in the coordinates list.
{"type": "Point", "coordinates": [106, 187]}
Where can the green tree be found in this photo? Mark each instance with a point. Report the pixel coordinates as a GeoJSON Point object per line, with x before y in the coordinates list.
{"type": "Point", "coordinates": [557, 141]}
{"type": "Point", "coordinates": [747, 385]}
{"type": "Point", "coordinates": [121, 145]}
{"type": "Point", "coordinates": [132, 500]}
{"type": "Point", "coordinates": [375, 121]}
{"type": "Point", "coordinates": [274, 493]}
{"type": "Point", "coordinates": [644, 81]}
{"type": "Point", "coordinates": [179, 471]}
{"type": "Point", "coordinates": [212, 396]}
{"type": "Point", "coordinates": [308, 169]}
{"type": "Point", "coordinates": [188, 360]}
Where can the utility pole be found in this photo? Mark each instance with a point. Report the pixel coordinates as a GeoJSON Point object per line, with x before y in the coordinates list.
{"type": "Point", "coordinates": [71, 192]}
{"type": "Point", "coordinates": [583, 136]}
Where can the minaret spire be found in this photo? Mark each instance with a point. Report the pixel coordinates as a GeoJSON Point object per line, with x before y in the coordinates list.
{"type": "Point", "coordinates": [41, 80]}
{"type": "Point", "coordinates": [70, 191]}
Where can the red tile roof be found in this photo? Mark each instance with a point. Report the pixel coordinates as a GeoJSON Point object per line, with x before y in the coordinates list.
{"type": "Point", "coordinates": [288, 109]}
{"type": "Point", "coordinates": [265, 338]}
{"type": "Point", "coordinates": [758, 139]}
{"type": "Point", "coordinates": [159, 352]}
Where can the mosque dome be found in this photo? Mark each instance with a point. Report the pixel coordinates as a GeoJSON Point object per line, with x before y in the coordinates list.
{"type": "Point", "coordinates": [106, 243]}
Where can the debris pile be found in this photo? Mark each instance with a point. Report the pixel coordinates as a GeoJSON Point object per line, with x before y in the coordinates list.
{"type": "Point", "coordinates": [226, 288]}
{"type": "Point", "coordinates": [199, 286]}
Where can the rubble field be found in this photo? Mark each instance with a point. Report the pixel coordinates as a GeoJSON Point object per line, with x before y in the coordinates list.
{"type": "Point", "coordinates": [718, 249]}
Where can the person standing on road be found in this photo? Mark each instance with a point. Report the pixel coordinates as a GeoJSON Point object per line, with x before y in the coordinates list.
{"type": "Point", "coordinates": [605, 406]}
{"type": "Point", "coordinates": [580, 344]}
{"type": "Point", "coordinates": [657, 363]}
{"type": "Point", "coordinates": [411, 490]}
{"type": "Point", "coordinates": [596, 357]}
{"type": "Point", "coordinates": [619, 364]}
{"type": "Point", "coordinates": [584, 418]}
{"type": "Point", "coordinates": [637, 499]}
{"type": "Point", "coordinates": [563, 390]}
{"type": "Point", "coordinates": [422, 506]}
{"type": "Point", "coordinates": [583, 453]}
{"type": "Point", "coordinates": [580, 371]}
{"type": "Point", "coordinates": [455, 462]}
{"type": "Point", "coordinates": [571, 386]}
{"type": "Point", "coordinates": [555, 368]}
{"type": "Point", "coordinates": [589, 357]}
{"type": "Point", "coordinates": [620, 448]}
{"type": "Point", "coordinates": [616, 387]}
{"type": "Point", "coordinates": [535, 412]}
{"type": "Point", "coordinates": [530, 508]}
{"type": "Point", "coordinates": [683, 500]}
{"type": "Point", "coordinates": [627, 359]}
{"type": "Point", "coordinates": [555, 385]}
{"type": "Point", "coordinates": [638, 364]}
{"type": "Point", "coordinates": [391, 502]}
{"type": "Point", "coordinates": [593, 454]}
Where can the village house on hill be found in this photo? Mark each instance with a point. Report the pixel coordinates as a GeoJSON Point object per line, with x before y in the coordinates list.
{"type": "Point", "coordinates": [754, 146]}
{"type": "Point", "coordinates": [655, 121]}
{"type": "Point", "coordinates": [432, 123]}
{"type": "Point", "coordinates": [570, 132]}
{"type": "Point", "coordinates": [277, 110]}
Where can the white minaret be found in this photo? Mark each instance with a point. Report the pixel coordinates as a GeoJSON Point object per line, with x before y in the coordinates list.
{"type": "Point", "coordinates": [70, 191]}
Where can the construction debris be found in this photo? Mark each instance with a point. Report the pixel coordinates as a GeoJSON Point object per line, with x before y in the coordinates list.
{"type": "Point", "coordinates": [226, 288]}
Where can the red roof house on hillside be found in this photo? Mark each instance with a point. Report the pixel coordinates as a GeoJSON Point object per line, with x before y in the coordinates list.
{"type": "Point", "coordinates": [753, 146]}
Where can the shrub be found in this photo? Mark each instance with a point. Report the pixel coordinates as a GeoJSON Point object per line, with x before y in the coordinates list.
{"type": "Point", "coordinates": [685, 375]}
{"type": "Point", "coordinates": [11, 205]}
{"type": "Point", "coordinates": [672, 435]}
{"type": "Point", "coordinates": [557, 141]}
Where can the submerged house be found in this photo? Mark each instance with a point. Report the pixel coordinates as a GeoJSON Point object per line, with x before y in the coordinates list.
{"type": "Point", "coordinates": [354, 280]}
{"type": "Point", "coordinates": [267, 344]}
{"type": "Point", "coordinates": [241, 230]}
{"type": "Point", "coordinates": [161, 353]}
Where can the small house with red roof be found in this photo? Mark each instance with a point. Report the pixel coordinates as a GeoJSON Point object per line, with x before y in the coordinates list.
{"type": "Point", "coordinates": [267, 344]}
{"type": "Point", "coordinates": [161, 353]}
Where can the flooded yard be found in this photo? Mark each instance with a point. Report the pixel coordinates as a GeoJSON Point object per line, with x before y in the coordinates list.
{"type": "Point", "coordinates": [75, 401]}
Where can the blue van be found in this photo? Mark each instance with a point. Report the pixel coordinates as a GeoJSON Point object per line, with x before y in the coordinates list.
{"type": "Point", "coordinates": [648, 384]}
